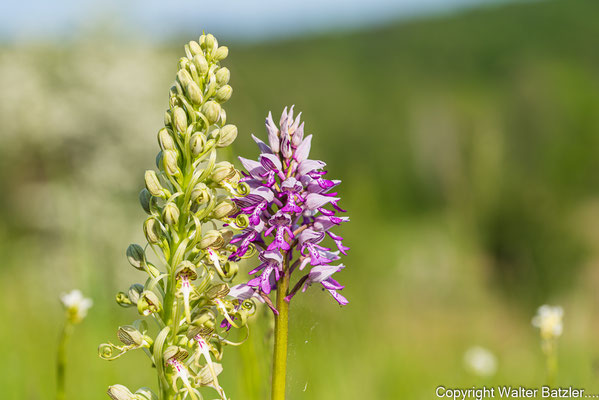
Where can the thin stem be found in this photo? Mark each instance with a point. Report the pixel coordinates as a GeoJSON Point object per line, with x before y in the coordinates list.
{"type": "Point", "coordinates": [61, 360]}
{"type": "Point", "coordinates": [279, 370]}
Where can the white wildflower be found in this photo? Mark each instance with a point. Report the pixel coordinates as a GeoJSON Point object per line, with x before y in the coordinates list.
{"type": "Point", "coordinates": [76, 305]}
{"type": "Point", "coordinates": [480, 361]}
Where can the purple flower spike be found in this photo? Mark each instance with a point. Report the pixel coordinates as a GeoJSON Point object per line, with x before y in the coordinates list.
{"type": "Point", "coordinates": [291, 211]}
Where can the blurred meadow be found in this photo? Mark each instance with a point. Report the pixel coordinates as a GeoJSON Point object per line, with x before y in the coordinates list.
{"type": "Point", "coordinates": [468, 146]}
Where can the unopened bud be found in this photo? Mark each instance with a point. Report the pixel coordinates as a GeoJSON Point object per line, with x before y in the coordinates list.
{"type": "Point", "coordinates": [228, 134]}
{"type": "Point", "coordinates": [180, 119]}
{"type": "Point", "coordinates": [201, 64]}
{"type": "Point", "coordinates": [197, 143]}
{"type": "Point", "coordinates": [211, 110]}
{"type": "Point", "coordinates": [195, 48]}
{"type": "Point", "coordinates": [170, 214]}
{"type": "Point", "coordinates": [145, 199]}
{"type": "Point", "coordinates": [130, 336]}
{"type": "Point", "coordinates": [223, 170]}
{"type": "Point", "coordinates": [221, 53]}
{"type": "Point", "coordinates": [134, 292]}
{"type": "Point", "coordinates": [153, 184]}
{"type": "Point", "coordinates": [136, 256]}
{"type": "Point", "coordinates": [152, 231]}
{"type": "Point", "coordinates": [200, 193]}
{"type": "Point", "coordinates": [224, 209]}
{"type": "Point", "coordinates": [224, 93]}
{"type": "Point", "coordinates": [168, 118]}
{"type": "Point", "coordinates": [145, 393]}
{"type": "Point", "coordinates": [217, 291]}
{"type": "Point", "coordinates": [165, 140]}
{"type": "Point", "coordinates": [169, 162]}
{"type": "Point", "coordinates": [211, 239]}
{"type": "Point", "coordinates": [222, 76]}
{"type": "Point", "coordinates": [209, 41]}
{"type": "Point", "coordinates": [120, 392]}
{"type": "Point", "coordinates": [123, 300]}
{"type": "Point", "coordinates": [175, 352]}
{"type": "Point", "coordinates": [149, 303]}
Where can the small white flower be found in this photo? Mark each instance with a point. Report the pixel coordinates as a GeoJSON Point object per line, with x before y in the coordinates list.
{"type": "Point", "coordinates": [549, 321]}
{"type": "Point", "coordinates": [76, 305]}
{"type": "Point", "coordinates": [480, 361]}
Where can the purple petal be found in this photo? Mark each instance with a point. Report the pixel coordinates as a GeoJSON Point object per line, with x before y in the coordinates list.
{"type": "Point", "coordinates": [270, 162]}
{"type": "Point", "coordinates": [340, 299]}
{"type": "Point", "coordinates": [273, 133]}
{"type": "Point", "coordinates": [253, 167]}
{"type": "Point", "coordinates": [309, 165]}
{"type": "Point", "coordinates": [303, 150]}
{"type": "Point", "coordinates": [241, 292]}
{"type": "Point", "coordinates": [315, 200]}
{"type": "Point", "coordinates": [264, 148]}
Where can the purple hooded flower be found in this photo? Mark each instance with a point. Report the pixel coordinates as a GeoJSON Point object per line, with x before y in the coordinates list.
{"type": "Point", "coordinates": [291, 210]}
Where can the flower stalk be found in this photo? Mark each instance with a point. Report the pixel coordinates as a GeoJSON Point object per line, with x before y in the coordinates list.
{"type": "Point", "coordinates": [186, 304]}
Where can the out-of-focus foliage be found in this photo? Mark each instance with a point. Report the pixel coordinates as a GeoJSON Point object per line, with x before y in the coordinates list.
{"type": "Point", "coordinates": [468, 146]}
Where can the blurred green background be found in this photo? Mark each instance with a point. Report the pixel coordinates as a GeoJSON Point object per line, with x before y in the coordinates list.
{"type": "Point", "coordinates": [468, 146]}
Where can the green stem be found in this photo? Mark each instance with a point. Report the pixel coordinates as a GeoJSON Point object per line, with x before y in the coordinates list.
{"type": "Point", "coordinates": [279, 369]}
{"type": "Point", "coordinates": [61, 360]}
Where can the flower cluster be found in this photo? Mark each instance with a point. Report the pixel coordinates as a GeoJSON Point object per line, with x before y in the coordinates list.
{"type": "Point", "coordinates": [189, 228]}
{"type": "Point", "coordinates": [291, 210]}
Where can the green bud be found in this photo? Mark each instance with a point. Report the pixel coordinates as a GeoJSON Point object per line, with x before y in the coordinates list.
{"type": "Point", "coordinates": [195, 48]}
{"type": "Point", "coordinates": [136, 256]}
{"type": "Point", "coordinates": [197, 143]}
{"type": "Point", "coordinates": [228, 134]}
{"type": "Point", "coordinates": [224, 93]}
{"type": "Point", "coordinates": [223, 209]}
{"type": "Point", "coordinates": [223, 170]}
{"type": "Point", "coordinates": [217, 291]}
{"type": "Point", "coordinates": [170, 214]}
{"type": "Point", "coordinates": [123, 300]}
{"type": "Point", "coordinates": [153, 184]}
{"type": "Point", "coordinates": [194, 93]}
{"type": "Point", "coordinates": [145, 393]}
{"type": "Point", "coordinates": [130, 336]}
{"type": "Point", "coordinates": [203, 323]}
{"type": "Point", "coordinates": [221, 53]}
{"type": "Point", "coordinates": [200, 193]}
{"type": "Point", "coordinates": [120, 392]}
{"type": "Point", "coordinates": [176, 352]}
{"type": "Point", "coordinates": [168, 118]}
{"type": "Point", "coordinates": [145, 199]}
{"type": "Point", "coordinates": [152, 231]}
{"type": "Point", "coordinates": [165, 140]}
{"type": "Point", "coordinates": [180, 119]}
{"type": "Point", "coordinates": [212, 239]}
{"type": "Point", "coordinates": [169, 162]}
{"type": "Point", "coordinates": [187, 268]}
{"type": "Point", "coordinates": [201, 64]}
{"type": "Point", "coordinates": [149, 303]}
{"type": "Point", "coordinates": [134, 292]}
{"type": "Point", "coordinates": [222, 76]}
{"type": "Point", "coordinates": [211, 110]}
{"type": "Point", "coordinates": [209, 41]}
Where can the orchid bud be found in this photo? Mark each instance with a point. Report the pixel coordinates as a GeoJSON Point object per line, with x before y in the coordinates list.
{"type": "Point", "coordinates": [169, 162]}
{"type": "Point", "coordinates": [166, 140]}
{"type": "Point", "coordinates": [191, 87]}
{"type": "Point", "coordinates": [222, 76]}
{"type": "Point", "coordinates": [180, 119]}
{"type": "Point", "coordinates": [146, 199]}
{"type": "Point", "coordinates": [224, 93]}
{"type": "Point", "coordinates": [168, 118]}
{"type": "Point", "coordinates": [152, 231]}
{"type": "Point", "coordinates": [217, 291]}
{"type": "Point", "coordinates": [223, 170]}
{"type": "Point", "coordinates": [130, 336]}
{"type": "Point", "coordinates": [123, 300]}
{"type": "Point", "coordinates": [203, 320]}
{"type": "Point", "coordinates": [209, 41]}
{"type": "Point", "coordinates": [170, 214]}
{"type": "Point", "coordinates": [224, 209]}
{"type": "Point", "coordinates": [153, 183]}
{"type": "Point", "coordinates": [148, 303]}
{"type": "Point", "coordinates": [195, 48]}
{"type": "Point", "coordinates": [200, 193]}
{"type": "Point", "coordinates": [145, 393]}
{"type": "Point", "coordinates": [212, 239]}
{"type": "Point", "coordinates": [120, 392]}
{"type": "Point", "coordinates": [134, 292]}
{"type": "Point", "coordinates": [200, 63]}
{"type": "Point", "coordinates": [197, 143]}
{"type": "Point", "coordinates": [228, 134]}
{"type": "Point", "coordinates": [221, 53]}
{"type": "Point", "coordinates": [211, 110]}
{"type": "Point", "coordinates": [136, 256]}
